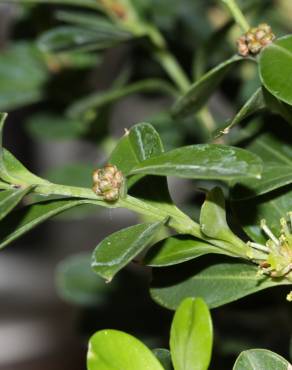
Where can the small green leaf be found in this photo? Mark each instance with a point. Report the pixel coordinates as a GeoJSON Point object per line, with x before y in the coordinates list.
{"type": "Point", "coordinates": [164, 357]}
{"type": "Point", "coordinates": [217, 281]}
{"type": "Point", "coordinates": [213, 220]}
{"type": "Point", "coordinates": [78, 284]}
{"type": "Point", "coordinates": [276, 68]}
{"type": "Point", "coordinates": [9, 200]}
{"type": "Point", "coordinates": [21, 221]}
{"type": "Point", "coordinates": [191, 336]}
{"type": "Point", "coordinates": [203, 161]}
{"type": "Point", "coordinates": [201, 90]}
{"type": "Point", "coordinates": [118, 249]}
{"type": "Point", "coordinates": [112, 350]}
{"type": "Point", "coordinates": [253, 105]}
{"type": "Point", "coordinates": [178, 249]}
{"type": "Point", "coordinates": [260, 359]}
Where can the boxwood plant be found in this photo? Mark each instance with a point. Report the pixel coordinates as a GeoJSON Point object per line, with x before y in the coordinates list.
{"type": "Point", "coordinates": [242, 241]}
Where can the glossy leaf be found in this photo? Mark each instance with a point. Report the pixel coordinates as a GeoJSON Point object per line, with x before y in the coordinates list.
{"type": "Point", "coordinates": [276, 68]}
{"type": "Point", "coordinates": [112, 349]}
{"type": "Point", "coordinates": [201, 90]}
{"type": "Point", "coordinates": [164, 357]}
{"type": "Point", "coordinates": [22, 75]}
{"type": "Point", "coordinates": [260, 359]}
{"type": "Point", "coordinates": [277, 166]}
{"type": "Point", "coordinates": [23, 220]}
{"type": "Point", "coordinates": [213, 220]}
{"type": "Point", "coordinates": [118, 249]}
{"type": "Point", "coordinates": [191, 336]}
{"type": "Point", "coordinates": [9, 200]}
{"type": "Point", "coordinates": [178, 249]}
{"type": "Point", "coordinates": [203, 161]}
{"type": "Point", "coordinates": [253, 105]}
{"type": "Point", "coordinates": [217, 281]}
{"type": "Point", "coordinates": [78, 284]}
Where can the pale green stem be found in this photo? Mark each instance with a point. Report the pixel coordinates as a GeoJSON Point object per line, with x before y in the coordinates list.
{"type": "Point", "coordinates": [237, 14]}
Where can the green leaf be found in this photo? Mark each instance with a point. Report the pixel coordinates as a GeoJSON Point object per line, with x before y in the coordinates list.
{"type": "Point", "coordinates": [112, 350]}
{"type": "Point", "coordinates": [69, 38]}
{"type": "Point", "coordinates": [178, 249]}
{"type": "Point", "coordinates": [164, 357]}
{"type": "Point", "coordinates": [118, 249]}
{"type": "Point", "coordinates": [260, 359]}
{"type": "Point", "coordinates": [21, 221]}
{"type": "Point", "coordinates": [98, 100]}
{"type": "Point", "coordinates": [84, 3]}
{"type": "Point", "coordinates": [276, 154]}
{"type": "Point", "coordinates": [276, 68]}
{"type": "Point", "coordinates": [22, 75]}
{"type": "Point", "coordinates": [203, 161]}
{"type": "Point", "coordinates": [47, 126]}
{"type": "Point", "coordinates": [199, 93]}
{"type": "Point", "coordinates": [140, 143]}
{"type": "Point", "coordinates": [253, 105]}
{"type": "Point", "coordinates": [78, 284]}
{"type": "Point", "coordinates": [9, 200]}
{"type": "Point", "coordinates": [217, 281]}
{"type": "Point", "coordinates": [213, 221]}
{"type": "Point", "coordinates": [271, 207]}
{"type": "Point", "coordinates": [191, 336]}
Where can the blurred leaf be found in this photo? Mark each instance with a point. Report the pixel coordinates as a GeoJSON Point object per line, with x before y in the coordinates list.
{"type": "Point", "coordinates": [253, 105]}
{"type": "Point", "coordinates": [199, 93]}
{"type": "Point", "coordinates": [47, 126]}
{"type": "Point", "coordinates": [23, 74]}
{"type": "Point", "coordinates": [277, 166]}
{"type": "Point", "coordinates": [271, 207]}
{"type": "Point", "coordinates": [74, 174]}
{"type": "Point", "coordinates": [10, 198]}
{"type": "Point", "coordinates": [98, 100]}
{"type": "Point", "coordinates": [276, 68]}
{"type": "Point", "coordinates": [69, 38]}
{"type": "Point", "coordinates": [164, 357]}
{"type": "Point", "coordinates": [112, 349]}
{"type": "Point", "coordinates": [191, 336]}
{"type": "Point", "coordinates": [203, 161]}
{"type": "Point", "coordinates": [23, 220]}
{"type": "Point", "coordinates": [77, 283]}
{"type": "Point", "coordinates": [260, 359]}
{"type": "Point", "coordinates": [84, 3]}
{"type": "Point", "coordinates": [217, 281]}
{"type": "Point", "coordinates": [277, 106]}
{"type": "Point", "coordinates": [177, 249]}
{"type": "Point", "coordinates": [118, 249]}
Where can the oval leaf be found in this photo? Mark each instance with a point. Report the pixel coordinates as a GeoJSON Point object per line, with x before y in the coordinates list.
{"type": "Point", "coordinates": [260, 359]}
{"type": "Point", "coordinates": [202, 89]}
{"type": "Point", "coordinates": [191, 336]}
{"type": "Point", "coordinates": [118, 249]}
{"type": "Point", "coordinates": [112, 350]}
{"type": "Point", "coordinates": [178, 249]}
{"type": "Point", "coordinates": [203, 161]}
{"type": "Point", "coordinates": [275, 65]}
{"type": "Point", "coordinates": [217, 281]}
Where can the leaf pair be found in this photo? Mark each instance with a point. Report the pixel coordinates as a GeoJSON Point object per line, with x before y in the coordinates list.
{"type": "Point", "coordinates": [191, 339]}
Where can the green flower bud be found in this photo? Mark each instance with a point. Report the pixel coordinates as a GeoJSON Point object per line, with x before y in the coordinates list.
{"type": "Point", "coordinates": [107, 182]}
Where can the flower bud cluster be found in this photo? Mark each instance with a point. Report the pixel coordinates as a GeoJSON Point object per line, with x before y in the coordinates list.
{"type": "Point", "coordinates": [107, 182]}
{"type": "Point", "coordinates": [255, 39]}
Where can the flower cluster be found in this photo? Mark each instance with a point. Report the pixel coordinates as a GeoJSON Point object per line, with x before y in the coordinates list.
{"type": "Point", "coordinates": [107, 182]}
{"type": "Point", "coordinates": [278, 250]}
{"type": "Point", "coordinates": [254, 40]}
